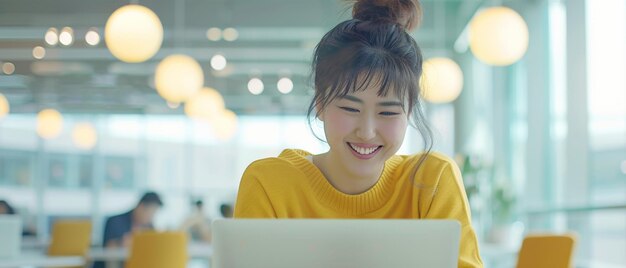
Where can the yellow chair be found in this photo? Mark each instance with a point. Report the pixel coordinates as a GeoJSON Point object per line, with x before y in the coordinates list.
{"type": "Point", "coordinates": [158, 250]}
{"type": "Point", "coordinates": [70, 237]}
{"type": "Point", "coordinates": [546, 251]}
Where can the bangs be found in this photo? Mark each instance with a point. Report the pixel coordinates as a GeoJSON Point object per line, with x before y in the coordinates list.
{"type": "Point", "coordinates": [384, 73]}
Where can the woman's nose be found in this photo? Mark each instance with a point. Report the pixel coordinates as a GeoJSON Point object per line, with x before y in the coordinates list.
{"type": "Point", "coordinates": [366, 129]}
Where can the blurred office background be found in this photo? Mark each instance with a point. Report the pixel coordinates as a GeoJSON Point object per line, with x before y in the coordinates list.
{"type": "Point", "coordinates": [541, 140]}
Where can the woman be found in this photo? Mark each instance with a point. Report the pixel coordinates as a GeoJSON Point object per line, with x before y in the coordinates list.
{"type": "Point", "coordinates": [366, 74]}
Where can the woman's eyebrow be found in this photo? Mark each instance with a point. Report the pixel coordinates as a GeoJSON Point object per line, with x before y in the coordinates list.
{"type": "Point", "coordinates": [352, 98]}
{"type": "Point", "coordinates": [390, 103]}
{"type": "Point", "coordinates": [382, 103]}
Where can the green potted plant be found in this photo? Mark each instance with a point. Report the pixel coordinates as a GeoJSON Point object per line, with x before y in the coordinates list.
{"type": "Point", "coordinates": [505, 229]}
{"type": "Point", "coordinates": [503, 202]}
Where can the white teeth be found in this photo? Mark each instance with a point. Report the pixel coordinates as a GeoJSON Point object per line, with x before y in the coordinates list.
{"type": "Point", "coordinates": [363, 151]}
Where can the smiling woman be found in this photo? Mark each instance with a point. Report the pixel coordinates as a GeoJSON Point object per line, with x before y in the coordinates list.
{"type": "Point", "coordinates": [369, 128]}
{"type": "Point", "coordinates": [366, 73]}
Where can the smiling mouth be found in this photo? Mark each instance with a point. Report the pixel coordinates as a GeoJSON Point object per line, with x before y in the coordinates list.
{"type": "Point", "coordinates": [364, 151]}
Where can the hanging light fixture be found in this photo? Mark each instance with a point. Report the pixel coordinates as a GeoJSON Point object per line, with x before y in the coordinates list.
{"type": "Point", "coordinates": [498, 36]}
{"type": "Point", "coordinates": [206, 104]}
{"type": "Point", "coordinates": [49, 123]}
{"type": "Point", "coordinates": [84, 136]}
{"type": "Point", "coordinates": [133, 33]}
{"type": "Point", "coordinates": [4, 106]}
{"type": "Point", "coordinates": [178, 77]}
{"type": "Point", "coordinates": [441, 80]}
{"type": "Point", "coordinates": [225, 125]}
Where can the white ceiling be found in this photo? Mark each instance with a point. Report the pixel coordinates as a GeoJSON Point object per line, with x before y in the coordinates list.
{"type": "Point", "coordinates": [276, 37]}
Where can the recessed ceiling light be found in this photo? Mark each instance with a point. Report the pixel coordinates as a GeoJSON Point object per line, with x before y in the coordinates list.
{"type": "Point", "coordinates": [285, 85]}
{"type": "Point", "coordinates": [52, 36]}
{"type": "Point", "coordinates": [39, 52]}
{"type": "Point", "coordinates": [214, 34]}
{"type": "Point", "coordinates": [255, 86]}
{"type": "Point", "coordinates": [218, 62]}
{"type": "Point", "coordinates": [230, 34]}
{"type": "Point", "coordinates": [92, 37]}
{"type": "Point", "coordinates": [66, 37]}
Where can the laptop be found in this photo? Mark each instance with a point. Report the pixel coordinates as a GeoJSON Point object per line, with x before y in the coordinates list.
{"type": "Point", "coordinates": [10, 236]}
{"type": "Point", "coordinates": [335, 243]}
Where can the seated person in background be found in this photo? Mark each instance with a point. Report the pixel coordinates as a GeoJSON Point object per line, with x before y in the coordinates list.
{"type": "Point", "coordinates": [118, 229]}
{"type": "Point", "coordinates": [198, 224]}
{"type": "Point", "coordinates": [226, 210]}
{"type": "Point", "coordinates": [5, 208]}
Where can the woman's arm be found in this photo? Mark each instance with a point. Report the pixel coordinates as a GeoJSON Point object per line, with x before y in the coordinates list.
{"type": "Point", "coordinates": [450, 202]}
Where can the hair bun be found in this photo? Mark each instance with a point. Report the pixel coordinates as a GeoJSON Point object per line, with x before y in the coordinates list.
{"type": "Point", "coordinates": [404, 12]}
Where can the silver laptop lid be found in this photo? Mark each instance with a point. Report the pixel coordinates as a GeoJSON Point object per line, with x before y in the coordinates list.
{"type": "Point", "coordinates": [335, 243]}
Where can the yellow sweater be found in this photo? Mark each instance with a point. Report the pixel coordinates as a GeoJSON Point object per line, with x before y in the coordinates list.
{"type": "Point", "coordinates": [290, 186]}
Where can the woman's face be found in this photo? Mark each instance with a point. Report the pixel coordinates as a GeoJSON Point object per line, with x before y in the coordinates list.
{"type": "Point", "coordinates": [363, 129]}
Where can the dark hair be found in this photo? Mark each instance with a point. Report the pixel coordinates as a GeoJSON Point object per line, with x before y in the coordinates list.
{"type": "Point", "coordinates": [9, 208]}
{"type": "Point", "coordinates": [199, 203]}
{"type": "Point", "coordinates": [373, 48]}
{"type": "Point", "coordinates": [407, 13]}
{"type": "Point", "coordinates": [226, 210]}
{"type": "Point", "coordinates": [151, 198]}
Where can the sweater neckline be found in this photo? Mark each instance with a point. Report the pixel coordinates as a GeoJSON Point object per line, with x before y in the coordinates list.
{"type": "Point", "coordinates": [358, 204]}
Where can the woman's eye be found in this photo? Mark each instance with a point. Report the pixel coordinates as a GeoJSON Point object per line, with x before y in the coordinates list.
{"type": "Point", "coordinates": [389, 113]}
{"type": "Point", "coordinates": [352, 110]}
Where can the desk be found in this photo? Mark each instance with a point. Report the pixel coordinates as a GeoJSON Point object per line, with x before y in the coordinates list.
{"type": "Point", "coordinates": [41, 260]}
{"type": "Point", "coordinates": [195, 251]}
{"type": "Point", "coordinates": [30, 242]}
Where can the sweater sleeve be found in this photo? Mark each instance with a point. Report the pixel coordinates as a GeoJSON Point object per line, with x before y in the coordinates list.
{"type": "Point", "coordinates": [450, 202]}
{"type": "Point", "coordinates": [252, 199]}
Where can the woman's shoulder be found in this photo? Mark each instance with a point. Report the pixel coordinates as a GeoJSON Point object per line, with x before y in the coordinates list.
{"type": "Point", "coordinates": [432, 159]}
{"type": "Point", "coordinates": [428, 168]}
{"type": "Point", "coordinates": [265, 163]}
{"type": "Point", "coordinates": [288, 159]}
{"type": "Point", "coordinates": [290, 167]}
